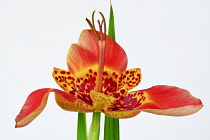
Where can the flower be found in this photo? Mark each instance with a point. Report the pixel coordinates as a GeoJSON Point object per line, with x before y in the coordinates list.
{"type": "Point", "coordinates": [113, 98]}
{"type": "Point", "coordinates": [97, 81]}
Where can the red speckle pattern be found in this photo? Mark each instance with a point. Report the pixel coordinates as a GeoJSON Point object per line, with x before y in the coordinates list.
{"type": "Point", "coordinates": [113, 84]}
{"type": "Point", "coordinates": [109, 83]}
{"type": "Point", "coordinates": [129, 79]}
{"type": "Point", "coordinates": [133, 100]}
{"type": "Point", "coordinates": [64, 79]}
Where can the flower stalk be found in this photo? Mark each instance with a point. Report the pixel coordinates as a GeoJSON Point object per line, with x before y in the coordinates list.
{"type": "Point", "coordinates": [81, 127]}
{"type": "Point", "coordinates": [95, 126]}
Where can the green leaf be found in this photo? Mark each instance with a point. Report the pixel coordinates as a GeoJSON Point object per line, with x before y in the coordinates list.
{"type": "Point", "coordinates": [111, 127]}
{"type": "Point", "coordinates": [111, 31]}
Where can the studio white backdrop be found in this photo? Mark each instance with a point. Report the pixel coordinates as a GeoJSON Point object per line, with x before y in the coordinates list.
{"type": "Point", "coordinates": [168, 40]}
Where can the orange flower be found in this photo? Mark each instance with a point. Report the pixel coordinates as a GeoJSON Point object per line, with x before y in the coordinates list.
{"type": "Point", "coordinates": [112, 97]}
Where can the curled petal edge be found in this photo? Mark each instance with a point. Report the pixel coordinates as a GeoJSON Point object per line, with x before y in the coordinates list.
{"type": "Point", "coordinates": [36, 103]}
{"type": "Point", "coordinates": [180, 111]}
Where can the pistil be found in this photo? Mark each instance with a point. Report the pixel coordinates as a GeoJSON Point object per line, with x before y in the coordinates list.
{"type": "Point", "coordinates": [100, 66]}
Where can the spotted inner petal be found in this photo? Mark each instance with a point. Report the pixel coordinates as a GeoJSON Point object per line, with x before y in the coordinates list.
{"type": "Point", "coordinates": [74, 86]}
{"type": "Point", "coordinates": [85, 81]}
{"type": "Point", "coordinates": [129, 79]}
{"type": "Point", "coordinates": [109, 81]}
{"type": "Point", "coordinates": [65, 80]}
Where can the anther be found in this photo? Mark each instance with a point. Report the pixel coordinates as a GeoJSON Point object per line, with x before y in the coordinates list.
{"type": "Point", "coordinates": [92, 26]}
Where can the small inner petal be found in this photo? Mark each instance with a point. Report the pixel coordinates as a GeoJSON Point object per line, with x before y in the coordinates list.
{"type": "Point", "coordinates": [129, 79]}
{"type": "Point", "coordinates": [64, 79]}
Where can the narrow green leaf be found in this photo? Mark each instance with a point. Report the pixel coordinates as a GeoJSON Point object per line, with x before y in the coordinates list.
{"type": "Point", "coordinates": [111, 127]}
{"type": "Point", "coordinates": [81, 127]}
{"type": "Point", "coordinates": [111, 31]}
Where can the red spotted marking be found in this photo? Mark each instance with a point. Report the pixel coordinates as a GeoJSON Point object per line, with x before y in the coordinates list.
{"type": "Point", "coordinates": [64, 79]}
{"type": "Point", "coordinates": [129, 79]}
{"type": "Point", "coordinates": [90, 70]}
{"type": "Point", "coordinates": [132, 101]}
{"type": "Point", "coordinates": [62, 72]}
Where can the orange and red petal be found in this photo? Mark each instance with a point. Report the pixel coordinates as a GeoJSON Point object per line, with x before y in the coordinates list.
{"type": "Point", "coordinates": [86, 54]}
{"type": "Point", "coordinates": [163, 100]}
{"type": "Point", "coordinates": [121, 114]}
{"type": "Point", "coordinates": [80, 105]}
{"type": "Point", "coordinates": [115, 57]}
{"type": "Point", "coordinates": [36, 103]}
{"type": "Point", "coordinates": [80, 57]}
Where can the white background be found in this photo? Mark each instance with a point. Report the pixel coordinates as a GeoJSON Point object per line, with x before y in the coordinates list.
{"type": "Point", "coordinates": [168, 39]}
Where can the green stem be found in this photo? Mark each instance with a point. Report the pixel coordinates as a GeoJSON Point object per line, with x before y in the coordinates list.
{"type": "Point", "coordinates": [107, 128]}
{"type": "Point", "coordinates": [116, 130]}
{"type": "Point", "coordinates": [111, 129]}
{"type": "Point", "coordinates": [81, 127]}
{"type": "Point", "coordinates": [95, 126]}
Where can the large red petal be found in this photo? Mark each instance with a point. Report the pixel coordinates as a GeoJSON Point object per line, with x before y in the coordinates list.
{"type": "Point", "coordinates": [85, 54]}
{"type": "Point", "coordinates": [163, 100]}
{"type": "Point", "coordinates": [115, 56]}
{"type": "Point", "coordinates": [36, 103]}
{"type": "Point", "coordinates": [80, 58]}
